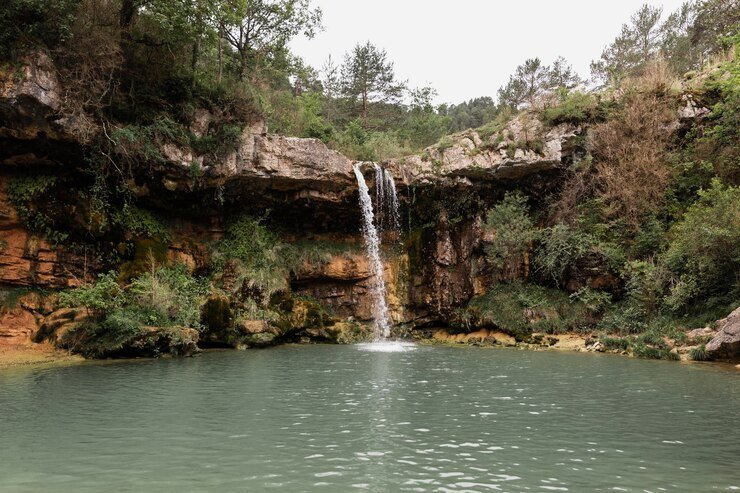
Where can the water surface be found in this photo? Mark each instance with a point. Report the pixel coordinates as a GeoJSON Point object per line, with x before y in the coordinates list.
{"type": "Point", "coordinates": [337, 419]}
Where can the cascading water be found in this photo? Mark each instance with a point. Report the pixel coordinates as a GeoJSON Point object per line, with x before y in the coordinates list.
{"type": "Point", "coordinates": [372, 243]}
{"type": "Point", "coordinates": [390, 190]}
{"type": "Point", "coordinates": [379, 196]}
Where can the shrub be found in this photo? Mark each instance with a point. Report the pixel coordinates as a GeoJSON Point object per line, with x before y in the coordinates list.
{"type": "Point", "coordinates": [261, 261]}
{"type": "Point", "coordinates": [595, 301]}
{"type": "Point", "coordinates": [615, 343]}
{"type": "Point", "coordinates": [630, 169]}
{"type": "Point", "coordinates": [560, 247]}
{"type": "Point", "coordinates": [513, 230]}
{"type": "Point", "coordinates": [704, 251]}
{"type": "Point", "coordinates": [26, 193]}
{"type": "Point", "coordinates": [623, 318]}
{"type": "Point", "coordinates": [574, 107]}
{"type": "Point", "coordinates": [641, 350]}
{"type": "Point", "coordinates": [99, 298]}
{"type": "Point", "coordinates": [699, 353]}
{"type": "Point", "coordinates": [140, 222]}
{"type": "Point", "coordinates": [170, 296]}
{"type": "Point", "coordinates": [25, 22]}
{"type": "Point", "coordinates": [520, 309]}
{"type": "Point", "coordinates": [646, 284]}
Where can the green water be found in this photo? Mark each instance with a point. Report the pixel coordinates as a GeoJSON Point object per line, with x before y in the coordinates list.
{"type": "Point", "coordinates": [335, 418]}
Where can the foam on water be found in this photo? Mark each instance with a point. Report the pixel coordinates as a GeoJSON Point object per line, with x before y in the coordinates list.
{"type": "Point", "coordinates": [387, 347]}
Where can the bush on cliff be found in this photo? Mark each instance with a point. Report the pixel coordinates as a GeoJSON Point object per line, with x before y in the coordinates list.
{"type": "Point", "coordinates": [513, 232]}
{"type": "Point", "coordinates": [158, 311]}
{"type": "Point", "coordinates": [704, 252]}
{"type": "Point", "coordinates": [250, 257]}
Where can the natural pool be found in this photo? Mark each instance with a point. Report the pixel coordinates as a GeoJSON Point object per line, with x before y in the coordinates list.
{"type": "Point", "coordinates": [336, 418]}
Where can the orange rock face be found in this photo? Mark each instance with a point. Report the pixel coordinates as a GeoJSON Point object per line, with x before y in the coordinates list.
{"type": "Point", "coordinates": [16, 327]}
{"type": "Point", "coordinates": [26, 260]}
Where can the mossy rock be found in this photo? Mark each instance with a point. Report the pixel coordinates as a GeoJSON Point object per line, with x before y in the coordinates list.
{"type": "Point", "coordinates": [146, 250]}
{"type": "Point", "coordinates": [217, 314]}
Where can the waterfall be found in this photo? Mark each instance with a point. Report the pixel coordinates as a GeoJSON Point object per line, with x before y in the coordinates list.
{"type": "Point", "coordinates": [390, 190]}
{"type": "Point", "coordinates": [379, 196]}
{"type": "Point", "coordinates": [372, 243]}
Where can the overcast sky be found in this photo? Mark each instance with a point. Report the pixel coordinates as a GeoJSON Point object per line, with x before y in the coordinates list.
{"type": "Point", "coordinates": [468, 48]}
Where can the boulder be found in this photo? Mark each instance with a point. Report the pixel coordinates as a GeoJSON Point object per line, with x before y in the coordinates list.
{"type": "Point", "coordinates": [255, 333]}
{"type": "Point", "coordinates": [725, 345]}
{"type": "Point", "coordinates": [57, 324]}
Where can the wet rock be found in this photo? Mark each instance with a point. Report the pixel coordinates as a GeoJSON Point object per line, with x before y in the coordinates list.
{"type": "Point", "coordinates": [726, 343]}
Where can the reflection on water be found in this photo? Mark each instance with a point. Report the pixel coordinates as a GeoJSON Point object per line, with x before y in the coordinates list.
{"type": "Point", "coordinates": [328, 418]}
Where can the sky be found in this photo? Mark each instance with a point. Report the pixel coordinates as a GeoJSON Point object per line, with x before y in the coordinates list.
{"type": "Point", "coordinates": [468, 48]}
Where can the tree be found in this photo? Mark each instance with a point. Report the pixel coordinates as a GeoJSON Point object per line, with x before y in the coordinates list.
{"type": "Point", "coordinates": [562, 76]}
{"type": "Point", "coordinates": [368, 79]}
{"type": "Point", "coordinates": [513, 94]}
{"type": "Point", "coordinates": [638, 42]}
{"type": "Point", "coordinates": [715, 23]}
{"type": "Point", "coordinates": [471, 114]}
{"type": "Point", "coordinates": [259, 28]}
{"type": "Point", "coordinates": [532, 80]}
{"type": "Point", "coordinates": [425, 125]}
{"type": "Point", "coordinates": [682, 55]}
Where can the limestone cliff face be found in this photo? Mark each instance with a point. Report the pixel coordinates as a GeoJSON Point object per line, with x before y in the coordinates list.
{"type": "Point", "coordinates": [310, 189]}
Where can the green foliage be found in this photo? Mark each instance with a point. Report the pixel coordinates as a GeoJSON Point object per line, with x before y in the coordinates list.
{"type": "Point", "coordinates": [560, 247]}
{"type": "Point", "coordinates": [126, 331]}
{"type": "Point", "coordinates": [615, 343]}
{"type": "Point", "coordinates": [24, 23]}
{"type": "Point", "coordinates": [140, 222]}
{"type": "Point", "coordinates": [595, 301]}
{"type": "Point", "coordinates": [646, 284]}
{"type": "Point", "coordinates": [573, 107]}
{"type": "Point", "coordinates": [137, 141]}
{"type": "Point", "coordinates": [471, 114]}
{"type": "Point", "coordinates": [532, 80]}
{"type": "Point", "coordinates": [260, 260]}
{"type": "Point", "coordinates": [513, 228]}
{"type": "Point", "coordinates": [220, 143]}
{"type": "Point", "coordinates": [368, 80]}
{"type": "Point", "coordinates": [99, 298]}
{"type": "Point", "coordinates": [170, 296]}
{"type": "Point", "coordinates": [166, 297]}
{"type": "Point", "coordinates": [521, 309]}
{"type": "Point", "coordinates": [704, 252]}
{"type": "Point", "coordinates": [217, 314]}
{"type": "Point", "coordinates": [699, 353]}
{"type": "Point", "coordinates": [317, 252]}
{"type": "Point", "coordinates": [24, 191]}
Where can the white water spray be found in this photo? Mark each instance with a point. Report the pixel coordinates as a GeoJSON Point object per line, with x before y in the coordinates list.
{"type": "Point", "coordinates": [372, 243]}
